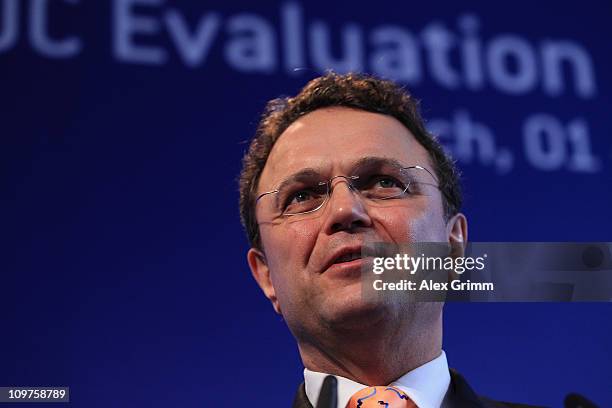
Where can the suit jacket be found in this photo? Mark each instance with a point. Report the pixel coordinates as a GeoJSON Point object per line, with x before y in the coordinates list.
{"type": "Point", "coordinates": [459, 395]}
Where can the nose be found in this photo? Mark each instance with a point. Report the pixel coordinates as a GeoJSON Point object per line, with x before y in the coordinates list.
{"type": "Point", "coordinates": [346, 210]}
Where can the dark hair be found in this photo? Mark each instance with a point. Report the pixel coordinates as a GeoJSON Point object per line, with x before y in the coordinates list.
{"type": "Point", "coordinates": [357, 91]}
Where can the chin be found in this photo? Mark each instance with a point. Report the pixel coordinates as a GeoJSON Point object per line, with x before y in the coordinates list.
{"type": "Point", "coordinates": [353, 312]}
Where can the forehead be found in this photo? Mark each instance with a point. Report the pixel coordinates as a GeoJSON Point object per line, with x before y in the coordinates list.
{"type": "Point", "coordinates": [331, 140]}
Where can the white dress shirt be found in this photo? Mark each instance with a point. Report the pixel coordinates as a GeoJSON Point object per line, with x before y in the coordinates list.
{"type": "Point", "coordinates": [425, 385]}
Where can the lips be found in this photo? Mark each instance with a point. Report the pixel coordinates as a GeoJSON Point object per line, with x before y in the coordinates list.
{"type": "Point", "coordinates": [348, 257]}
{"type": "Point", "coordinates": [342, 257]}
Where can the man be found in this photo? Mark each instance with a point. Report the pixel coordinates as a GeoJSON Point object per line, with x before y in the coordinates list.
{"type": "Point", "coordinates": [323, 176]}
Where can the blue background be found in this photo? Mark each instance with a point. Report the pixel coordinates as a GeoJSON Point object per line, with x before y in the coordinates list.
{"type": "Point", "coordinates": [124, 275]}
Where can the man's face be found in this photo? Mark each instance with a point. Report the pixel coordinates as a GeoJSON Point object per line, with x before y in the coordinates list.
{"type": "Point", "coordinates": [296, 268]}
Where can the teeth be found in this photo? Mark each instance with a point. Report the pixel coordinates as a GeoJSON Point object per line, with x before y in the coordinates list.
{"type": "Point", "coordinates": [349, 257]}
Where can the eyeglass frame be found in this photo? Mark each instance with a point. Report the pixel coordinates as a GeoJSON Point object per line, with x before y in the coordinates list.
{"type": "Point", "coordinates": [351, 186]}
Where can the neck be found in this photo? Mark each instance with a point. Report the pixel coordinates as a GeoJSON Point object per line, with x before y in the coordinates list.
{"type": "Point", "coordinates": [372, 356]}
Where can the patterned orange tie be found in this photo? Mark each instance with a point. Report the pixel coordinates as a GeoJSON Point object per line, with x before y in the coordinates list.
{"type": "Point", "coordinates": [380, 397]}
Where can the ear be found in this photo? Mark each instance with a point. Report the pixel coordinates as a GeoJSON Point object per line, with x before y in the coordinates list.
{"type": "Point", "coordinates": [457, 232]}
{"type": "Point", "coordinates": [260, 271]}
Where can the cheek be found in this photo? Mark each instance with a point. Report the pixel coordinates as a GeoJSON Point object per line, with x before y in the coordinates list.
{"type": "Point", "coordinates": [429, 229]}
{"type": "Point", "coordinates": [422, 223]}
{"type": "Point", "coordinates": [288, 246]}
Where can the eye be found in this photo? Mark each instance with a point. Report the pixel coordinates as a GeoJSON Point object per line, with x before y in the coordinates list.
{"type": "Point", "coordinates": [301, 200]}
{"type": "Point", "coordinates": [382, 186]}
{"type": "Point", "coordinates": [388, 182]}
{"type": "Point", "coordinates": [300, 197]}
{"type": "Point", "coordinates": [385, 182]}
{"type": "Point", "coordinates": [304, 200]}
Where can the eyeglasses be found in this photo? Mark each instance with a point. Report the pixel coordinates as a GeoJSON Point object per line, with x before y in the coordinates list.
{"type": "Point", "coordinates": [305, 193]}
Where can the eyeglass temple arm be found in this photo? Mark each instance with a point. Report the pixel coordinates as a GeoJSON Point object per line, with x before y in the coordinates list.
{"type": "Point", "coordinates": [264, 194]}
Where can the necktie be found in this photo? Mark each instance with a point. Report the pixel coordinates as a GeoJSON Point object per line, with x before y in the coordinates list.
{"type": "Point", "coordinates": [380, 397]}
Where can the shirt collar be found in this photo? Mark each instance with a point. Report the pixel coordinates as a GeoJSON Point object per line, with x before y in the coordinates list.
{"type": "Point", "coordinates": [426, 385]}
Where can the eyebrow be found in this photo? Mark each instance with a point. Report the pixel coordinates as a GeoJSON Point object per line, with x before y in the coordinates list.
{"type": "Point", "coordinates": [305, 174]}
{"type": "Point", "coordinates": [373, 162]}
{"type": "Point", "coordinates": [376, 162]}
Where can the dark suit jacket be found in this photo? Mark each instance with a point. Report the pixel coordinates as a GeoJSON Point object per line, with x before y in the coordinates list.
{"type": "Point", "coordinates": [459, 395]}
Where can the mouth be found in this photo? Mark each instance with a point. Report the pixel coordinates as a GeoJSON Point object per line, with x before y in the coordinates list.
{"type": "Point", "coordinates": [351, 256]}
{"type": "Point", "coordinates": [345, 262]}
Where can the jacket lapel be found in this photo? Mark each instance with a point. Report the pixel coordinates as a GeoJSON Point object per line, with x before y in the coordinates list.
{"type": "Point", "coordinates": [460, 394]}
{"type": "Point", "coordinates": [301, 400]}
